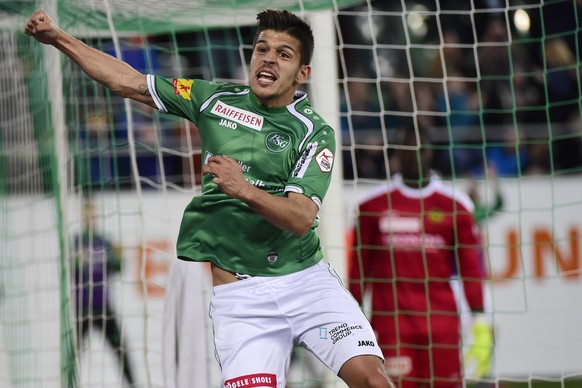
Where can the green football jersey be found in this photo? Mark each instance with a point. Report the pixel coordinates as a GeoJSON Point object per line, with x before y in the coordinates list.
{"type": "Point", "coordinates": [280, 150]}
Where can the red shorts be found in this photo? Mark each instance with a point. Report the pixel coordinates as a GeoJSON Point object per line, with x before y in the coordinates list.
{"type": "Point", "coordinates": [420, 352]}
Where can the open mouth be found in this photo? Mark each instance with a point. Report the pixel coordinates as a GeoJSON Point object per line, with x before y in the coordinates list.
{"type": "Point", "coordinates": [266, 77]}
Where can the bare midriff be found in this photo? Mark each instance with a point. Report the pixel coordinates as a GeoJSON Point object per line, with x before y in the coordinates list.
{"type": "Point", "coordinates": [221, 276]}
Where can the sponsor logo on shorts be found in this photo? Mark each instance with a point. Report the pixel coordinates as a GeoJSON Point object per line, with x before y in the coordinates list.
{"type": "Point", "coordinates": [342, 331]}
{"type": "Point", "coordinates": [398, 366]}
{"type": "Point", "coordinates": [255, 380]}
{"type": "Point", "coordinates": [366, 343]}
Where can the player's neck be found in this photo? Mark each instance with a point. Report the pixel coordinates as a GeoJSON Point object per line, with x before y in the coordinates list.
{"type": "Point", "coordinates": [274, 102]}
{"type": "Point", "coordinates": [416, 182]}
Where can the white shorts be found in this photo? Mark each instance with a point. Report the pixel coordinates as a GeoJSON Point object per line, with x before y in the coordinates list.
{"type": "Point", "coordinates": [258, 321]}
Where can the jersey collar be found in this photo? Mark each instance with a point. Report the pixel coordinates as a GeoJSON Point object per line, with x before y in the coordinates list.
{"type": "Point", "coordinates": [410, 192]}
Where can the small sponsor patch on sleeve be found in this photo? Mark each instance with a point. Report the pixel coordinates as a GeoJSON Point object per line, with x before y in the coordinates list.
{"type": "Point", "coordinates": [183, 87]}
{"type": "Point", "coordinates": [324, 160]}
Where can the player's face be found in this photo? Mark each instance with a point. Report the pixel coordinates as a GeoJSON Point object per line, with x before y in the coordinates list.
{"type": "Point", "coordinates": [275, 69]}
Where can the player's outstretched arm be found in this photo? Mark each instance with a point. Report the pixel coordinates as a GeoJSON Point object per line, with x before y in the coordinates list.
{"type": "Point", "coordinates": [114, 74]}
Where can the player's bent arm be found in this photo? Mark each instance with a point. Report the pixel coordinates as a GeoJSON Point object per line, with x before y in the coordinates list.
{"type": "Point", "coordinates": [295, 213]}
{"type": "Point", "coordinates": [114, 74]}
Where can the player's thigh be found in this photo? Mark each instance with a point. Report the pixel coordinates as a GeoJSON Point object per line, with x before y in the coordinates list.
{"type": "Point", "coordinates": [253, 345]}
{"type": "Point", "coordinates": [334, 328]}
{"type": "Point", "coordinates": [261, 361]}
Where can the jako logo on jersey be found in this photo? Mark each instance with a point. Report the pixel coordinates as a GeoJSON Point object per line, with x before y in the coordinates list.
{"type": "Point", "coordinates": [183, 87]}
{"type": "Point", "coordinates": [227, 124]}
{"type": "Point", "coordinates": [255, 380]}
{"type": "Point", "coordinates": [366, 343]}
{"type": "Point", "coordinates": [324, 160]}
{"type": "Point", "coordinates": [241, 116]}
{"type": "Point", "coordinates": [277, 141]}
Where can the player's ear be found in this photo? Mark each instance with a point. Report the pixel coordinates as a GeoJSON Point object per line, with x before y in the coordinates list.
{"type": "Point", "coordinates": [303, 74]}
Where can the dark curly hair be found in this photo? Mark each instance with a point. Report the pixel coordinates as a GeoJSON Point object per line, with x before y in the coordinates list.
{"type": "Point", "coordinates": [288, 22]}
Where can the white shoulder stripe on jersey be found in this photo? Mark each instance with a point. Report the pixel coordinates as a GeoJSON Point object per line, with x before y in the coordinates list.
{"type": "Point", "coordinates": [299, 190]}
{"type": "Point", "coordinates": [293, 110]}
{"type": "Point", "coordinates": [293, 189]}
{"type": "Point", "coordinates": [151, 80]}
{"type": "Point", "coordinates": [305, 160]}
{"type": "Point", "coordinates": [456, 194]}
{"type": "Point", "coordinates": [316, 200]}
{"type": "Point", "coordinates": [435, 185]}
{"type": "Point", "coordinates": [216, 95]}
{"type": "Point", "coordinates": [379, 189]}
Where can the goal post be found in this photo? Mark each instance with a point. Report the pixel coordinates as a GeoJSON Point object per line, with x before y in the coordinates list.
{"type": "Point", "coordinates": [324, 96]}
{"type": "Point", "coordinates": [35, 309]}
{"type": "Point", "coordinates": [60, 173]}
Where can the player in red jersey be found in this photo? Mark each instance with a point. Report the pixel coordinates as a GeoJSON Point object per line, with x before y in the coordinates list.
{"type": "Point", "coordinates": [411, 237]}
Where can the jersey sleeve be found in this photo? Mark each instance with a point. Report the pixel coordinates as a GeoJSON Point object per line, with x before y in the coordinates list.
{"type": "Point", "coordinates": [180, 96]}
{"type": "Point", "coordinates": [471, 268]}
{"type": "Point", "coordinates": [311, 175]}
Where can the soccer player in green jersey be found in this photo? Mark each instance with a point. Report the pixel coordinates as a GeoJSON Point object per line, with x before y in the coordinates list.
{"type": "Point", "coordinates": [268, 158]}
